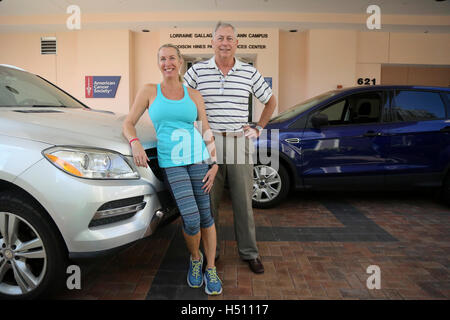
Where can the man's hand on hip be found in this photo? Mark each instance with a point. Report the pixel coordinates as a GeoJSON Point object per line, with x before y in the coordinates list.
{"type": "Point", "coordinates": [251, 133]}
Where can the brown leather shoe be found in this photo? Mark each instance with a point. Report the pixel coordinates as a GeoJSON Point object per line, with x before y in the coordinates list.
{"type": "Point", "coordinates": [256, 265]}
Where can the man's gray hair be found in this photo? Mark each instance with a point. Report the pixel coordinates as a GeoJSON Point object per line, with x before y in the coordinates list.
{"type": "Point", "coordinates": [222, 24]}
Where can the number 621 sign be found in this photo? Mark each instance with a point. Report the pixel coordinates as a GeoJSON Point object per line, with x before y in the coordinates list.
{"type": "Point", "coordinates": [367, 81]}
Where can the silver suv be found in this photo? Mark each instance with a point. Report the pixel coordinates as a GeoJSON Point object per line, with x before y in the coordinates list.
{"type": "Point", "coordinates": [68, 184]}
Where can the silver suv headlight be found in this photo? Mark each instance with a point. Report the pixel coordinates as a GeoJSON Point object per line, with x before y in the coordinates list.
{"type": "Point", "coordinates": [90, 163]}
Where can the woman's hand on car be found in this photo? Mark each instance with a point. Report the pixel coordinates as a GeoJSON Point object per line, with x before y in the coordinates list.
{"type": "Point", "coordinates": [208, 180]}
{"type": "Point", "coordinates": [139, 156]}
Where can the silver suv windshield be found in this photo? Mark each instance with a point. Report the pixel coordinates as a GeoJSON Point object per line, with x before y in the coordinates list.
{"type": "Point", "coordinates": [303, 106]}
{"type": "Point", "coordinates": [23, 89]}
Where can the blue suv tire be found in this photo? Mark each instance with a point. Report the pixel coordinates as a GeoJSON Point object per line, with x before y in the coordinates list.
{"type": "Point", "coordinates": [270, 186]}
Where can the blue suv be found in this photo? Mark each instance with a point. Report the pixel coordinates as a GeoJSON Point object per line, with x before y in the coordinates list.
{"type": "Point", "coordinates": [371, 137]}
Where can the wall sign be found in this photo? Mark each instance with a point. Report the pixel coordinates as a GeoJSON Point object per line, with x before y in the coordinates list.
{"type": "Point", "coordinates": [192, 40]}
{"type": "Point", "coordinates": [367, 81]}
{"type": "Point", "coordinates": [101, 86]}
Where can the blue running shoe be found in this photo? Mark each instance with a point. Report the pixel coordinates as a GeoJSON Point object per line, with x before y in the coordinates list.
{"type": "Point", "coordinates": [213, 285]}
{"type": "Point", "coordinates": [194, 276]}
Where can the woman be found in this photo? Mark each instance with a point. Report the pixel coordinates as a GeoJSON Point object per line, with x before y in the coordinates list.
{"type": "Point", "coordinates": [173, 108]}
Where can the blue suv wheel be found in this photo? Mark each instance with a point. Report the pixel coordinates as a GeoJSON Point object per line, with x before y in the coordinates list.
{"type": "Point", "coordinates": [270, 186]}
{"type": "Point", "coordinates": [446, 190]}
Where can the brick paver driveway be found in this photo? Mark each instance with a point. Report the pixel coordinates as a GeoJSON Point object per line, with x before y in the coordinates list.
{"type": "Point", "coordinates": [314, 246]}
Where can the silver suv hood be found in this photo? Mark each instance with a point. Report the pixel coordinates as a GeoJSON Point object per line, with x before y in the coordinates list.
{"type": "Point", "coordinates": [75, 127]}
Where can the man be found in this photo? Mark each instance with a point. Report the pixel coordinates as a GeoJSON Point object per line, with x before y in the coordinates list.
{"type": "Point", "coordinates": [225, 84]}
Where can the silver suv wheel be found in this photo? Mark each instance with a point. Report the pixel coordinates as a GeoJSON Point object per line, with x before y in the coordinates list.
{"type": "Point", "coordinates": [23, 259]}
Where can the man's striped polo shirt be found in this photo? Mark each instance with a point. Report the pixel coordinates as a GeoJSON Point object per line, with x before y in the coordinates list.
{"type": "Point", "coordinates": [226, 97]}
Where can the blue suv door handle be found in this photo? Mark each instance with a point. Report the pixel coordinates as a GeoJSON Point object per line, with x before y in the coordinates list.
{"type": "Point", "coordinates": [445, 129]}
{"type": "Point", "coordinates": [372, 134]}
{"type": "Point", "coordinates": [292, 140]}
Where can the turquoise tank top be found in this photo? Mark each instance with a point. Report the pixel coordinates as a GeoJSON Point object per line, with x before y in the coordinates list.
{"type": "Point", "coordinates": [178, 142]}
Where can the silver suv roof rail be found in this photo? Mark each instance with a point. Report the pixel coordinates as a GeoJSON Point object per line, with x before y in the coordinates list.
{"type": "Point", "coordinates": [10, 66]}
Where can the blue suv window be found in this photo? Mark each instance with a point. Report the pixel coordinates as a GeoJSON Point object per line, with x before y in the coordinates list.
{"type": "Point", "coordinates": [411, 105]}
{"type": "Point", "coordinates": [357, 108]}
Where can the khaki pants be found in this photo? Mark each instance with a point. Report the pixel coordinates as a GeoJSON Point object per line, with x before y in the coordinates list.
{"type": "Point", "coordinates": [240, 182]}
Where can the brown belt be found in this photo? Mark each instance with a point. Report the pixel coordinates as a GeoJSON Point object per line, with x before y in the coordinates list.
{"type": "Point", "coordinates": [230, 134]}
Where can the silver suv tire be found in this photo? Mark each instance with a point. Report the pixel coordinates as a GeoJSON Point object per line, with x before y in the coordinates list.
{"type": "Point", "coordinates": [32, 259]}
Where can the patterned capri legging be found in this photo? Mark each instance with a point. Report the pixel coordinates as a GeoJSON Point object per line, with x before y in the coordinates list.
{"type": "Point", "coordinates": [185, 184]}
